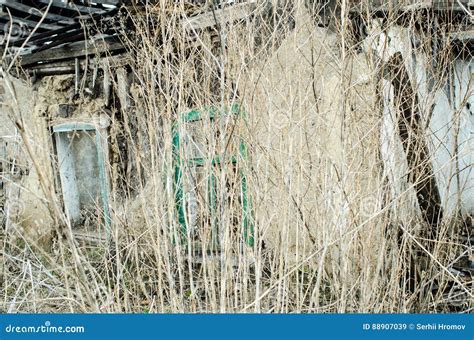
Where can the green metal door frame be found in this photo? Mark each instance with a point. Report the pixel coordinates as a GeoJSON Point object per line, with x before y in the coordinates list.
{"type": "Point", "coordinates": [194, 116]}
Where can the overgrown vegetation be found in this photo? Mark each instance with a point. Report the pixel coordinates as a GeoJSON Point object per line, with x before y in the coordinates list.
{"type": "Point", "coordinates": [330, 232]}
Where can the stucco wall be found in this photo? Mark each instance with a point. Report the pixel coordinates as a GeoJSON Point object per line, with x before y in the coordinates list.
{"type": "Point", "coordinates": [27, 192]}
{"type": "Point", "coordinates": [314, 129]}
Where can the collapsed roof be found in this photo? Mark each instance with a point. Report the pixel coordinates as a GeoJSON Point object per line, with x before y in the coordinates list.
{"type": "Point", "coordinates": [54, 33]}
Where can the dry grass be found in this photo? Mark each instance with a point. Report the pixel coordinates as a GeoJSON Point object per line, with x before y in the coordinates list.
{"type": "Point", "coordinates": [330, 234]}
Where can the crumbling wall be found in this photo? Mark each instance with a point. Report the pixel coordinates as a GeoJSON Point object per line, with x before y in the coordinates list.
{"type": "Point", "coordinates": [36, 194]}
{"type": "Point", "coordinates": [28, 180]}
{"type": "Point", "coordinates": [442, 84]}
{"type": "Point", "coordinates": [314, 129]}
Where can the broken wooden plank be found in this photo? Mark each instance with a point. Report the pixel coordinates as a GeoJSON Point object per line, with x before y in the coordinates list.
{"type": "Point", "coordinates": [451, 5]}
{"type": "Point", "coordinates": [107, 84]}
{"type": "Point", "coordinates": [70, 6]}
{"type": "Point", "coordinates": [228, 14]}
{"type": "Point", "coordinates": [408, 5]}
{"type": "Point", "coordinates": [116, 61]}
{"type": "Point", "coordinates": [52, 71]}
{"type": "Point", "coordinates": [32, 11]}
{"type": "Point", "coordinates": [40, 38]}
{"type": "Point", "coordinates": [55, 68]}
{"type": "Point", "coordinates": [29, 23]}
{"type": "Point", "coordinates": [123, 87]}
{"type": "Point", "coordinates": [76, 50]}
{"type": "Point", "coordinates": [103, 2]}
{"type": "Point", "coordinates": [64, 39]}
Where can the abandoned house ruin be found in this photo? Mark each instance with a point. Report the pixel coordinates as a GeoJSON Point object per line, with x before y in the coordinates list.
{"type": "Point", "coordinates": [76, 150]}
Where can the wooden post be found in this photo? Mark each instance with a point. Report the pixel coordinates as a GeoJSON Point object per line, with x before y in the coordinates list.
{"type": "Point", "coordinates": [412, 136]}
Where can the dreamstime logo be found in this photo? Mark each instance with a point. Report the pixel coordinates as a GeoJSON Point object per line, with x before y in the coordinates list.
{"type": "Point", "coordinates": [368, 206]}
{"type": "Point", "coordinates": [281, 121]}
{"type": "Point", "coordinates": [14, 31]}
{"type": "Point", "coordinates": [46, 328]}
{"type": "Point", "coordinates": [15, 208]}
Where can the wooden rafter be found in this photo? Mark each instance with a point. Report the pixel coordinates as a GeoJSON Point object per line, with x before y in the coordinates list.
{"type": "Point", "coordinates": [28, 11]}
{"type": "Point", "coordinates": [62, 32]}
{"type": "Point", "coordinates": [73, 50]}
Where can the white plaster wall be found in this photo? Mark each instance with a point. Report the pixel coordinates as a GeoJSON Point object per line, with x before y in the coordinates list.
{"type": "Point", "coordinates": [404, 202]}
{"type": "Point", "coordinates": [449, 132]}
{"type": "Point", "coordinates": [26, 199]}
{"type": "Point", "coordinates": [451, 143]}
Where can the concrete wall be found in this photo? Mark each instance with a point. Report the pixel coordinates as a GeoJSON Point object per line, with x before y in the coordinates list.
{"type": "Point", "coordinates": [445, 107]}
{"type": "Point", "coordinates": [27, 192]}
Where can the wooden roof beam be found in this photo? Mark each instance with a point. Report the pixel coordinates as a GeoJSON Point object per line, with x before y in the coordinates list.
{"type": "Point", "coordinates": [32, 11]}
{"type": "Point", "coordinates": [73, 37]}
{"type": "Point", "coordinates": [101, 2]}
{"type": "Point", "coordinates": [40, 38]}
{"type": "Point", "coordinates": [226, 14]}
{"type": "Point", "coordinates": [71, 6]}
{"type": "Point", "coordinates": [409, 5]}
{"type": "Point", "coordinates": [29, 23]}
{"type": "Point", "coordinates": [74, 50]}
